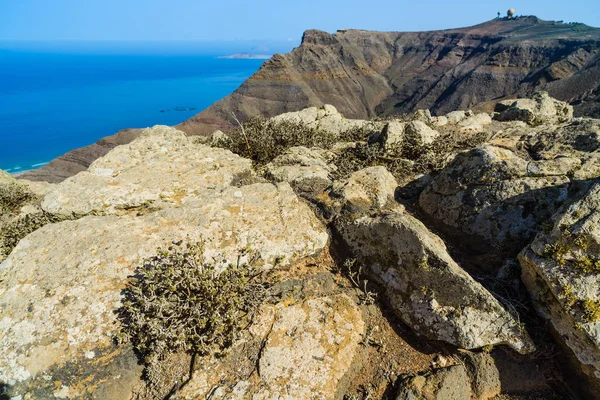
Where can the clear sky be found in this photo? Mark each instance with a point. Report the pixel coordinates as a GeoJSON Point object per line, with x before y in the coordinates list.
{"type": "Point", "coordinates": [258, 19]}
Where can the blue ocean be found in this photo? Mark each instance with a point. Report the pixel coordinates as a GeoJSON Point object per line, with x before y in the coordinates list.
{"type": "Point", "coordinates": [54, 99]}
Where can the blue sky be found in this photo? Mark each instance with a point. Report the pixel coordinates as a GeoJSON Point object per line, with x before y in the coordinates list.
{"type": "Point", "coordinates": [268, 19]}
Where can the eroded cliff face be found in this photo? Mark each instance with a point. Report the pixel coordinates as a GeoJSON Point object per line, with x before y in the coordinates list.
{"type": "Point", "coordinates": [366, 74]}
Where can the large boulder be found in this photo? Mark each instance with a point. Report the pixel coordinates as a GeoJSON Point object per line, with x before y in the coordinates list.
{"type": "Point", "coordinates": [540, 109]}
{"type": "Point", "coordinates": [306, 348]}
{"type": "Point", "coordinates": [561, 270]}
{"type": "Point", "coordinates": [494, 194]}
{"type": "Point", "coordinates": [307, 170]}
{"type": "Point", "coordinates": [162, 168]}
{"type": "Point", "coordinates": [428, 290]}
{"type": "Point", "coordinates": [61, 285]}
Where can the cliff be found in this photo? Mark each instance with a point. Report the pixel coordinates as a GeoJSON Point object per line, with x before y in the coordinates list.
{"type": "Point", "coordinates": [367, 74]}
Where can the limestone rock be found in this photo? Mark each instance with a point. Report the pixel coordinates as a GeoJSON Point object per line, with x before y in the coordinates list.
{"type": "Point", "coordinates": [561, 270]}
{"type": "Point", "coordinates": [219, 139]}
{"type": "Point", "coordinates": [391, 136]}
{"type": "Point", "coordinates": [490, 193]}
{"type": "Point", "coordinates": [540, 109]}
{"type": "Point", "coordinates": [396, 134]}
{"type": "Point", "coordinates": [454, 117]}
{"type": "Point", "coordinates": [367, 188]}
{"type": "Point", "coordinates": [19, 203]}
{"type": "Point", "coordinates": [161, 168]}
{"type": "Point", "coordinates": [426, 287]}
{"type": "Point", "coordinates": [418, 133]}
{"type": "Point", "coordinates": [307, 347]}
{"type": "Point", "coordinates": [326, 118]}
{"type": "Point", "coordinates": [308, 170]}
{"type": "Point", "coordinates": [61, 285]}
{"type": "Point", "coordinates": [39, 188]}
{"type": "Point", "coordinates": [557, 167]}
{"type": "Point", "coordinates": [475, 123]}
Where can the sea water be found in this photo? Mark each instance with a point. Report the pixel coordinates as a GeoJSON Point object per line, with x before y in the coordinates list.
{"type": "Point", "coordinates": [52, 101]}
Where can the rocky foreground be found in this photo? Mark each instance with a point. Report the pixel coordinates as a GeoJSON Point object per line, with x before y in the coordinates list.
{"type": "Point", "coordinates": [449, 257]}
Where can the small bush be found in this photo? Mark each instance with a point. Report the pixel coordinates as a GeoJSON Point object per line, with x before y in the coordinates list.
{"type": "Point", "coordinates": [267, 139]}
{"type": "Point", "coordinates": [409, 159]}
{"type": "Point", "coordinates": [178, 303]}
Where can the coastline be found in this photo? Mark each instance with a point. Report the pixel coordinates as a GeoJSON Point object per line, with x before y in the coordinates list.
{"type": "Point", "coordinates": [33, 167]}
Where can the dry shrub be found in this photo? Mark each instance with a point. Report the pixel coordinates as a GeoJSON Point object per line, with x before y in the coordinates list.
{"type": "Point", "coordinates": [177, 303]}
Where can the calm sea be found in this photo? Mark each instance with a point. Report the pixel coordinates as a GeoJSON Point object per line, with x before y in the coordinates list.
{"type": "Point", "coordinates": [53, 101]}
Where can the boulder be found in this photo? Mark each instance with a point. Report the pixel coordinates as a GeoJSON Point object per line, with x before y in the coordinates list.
{"type": "Point", "coordinates": [162, 168]}
{"type": "Point", "coordinates": [475, 378]}
{"type": "Point", "coordinates": [307, 170]}
{"type": "Point", "coordinates": [426, 288]}
{"type": "Point", "coordinates": [540, 109]}
{"type": "Point", "coordinates": [326, 118]}
{"type": "Point", "coordinates": [219, 139]}
{"type": "Point", "coordinates": [367, 188]}
{"type": "Point", "coordinates": [418, 133]}
{"type": "Point", "coordinates": [306, 348]}
{"type": "Point", "coordinates": [455, 117]}
{"type": "Point", "coordinates": [61, 285]}
{"type": "Point", "coordinates": [561, 270]}
{"type": "Point", "coordinates": [450, 383]}
{"type": "Point", "coordinates": [578, 138]}
{"type": "Point", "coordinates": [492, 193]}
{"type": "Point", "coordinates": [474, 123]}
{"type": "Point", "coordinates": [391, 136]}
{"type": "Point", "coordinates": [395, 135]}
{"type": "Point", "coordinates": [483, 374]}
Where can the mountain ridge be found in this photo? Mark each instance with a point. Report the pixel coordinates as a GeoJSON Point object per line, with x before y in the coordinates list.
{"type": "Point", "coordinates": [386, 73]}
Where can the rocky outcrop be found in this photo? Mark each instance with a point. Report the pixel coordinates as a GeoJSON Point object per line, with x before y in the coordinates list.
{"type": "Point", "coordinates": [61, 285]}
{"type": "Point", "coordinates": [160, 169]}
{"type": "Point", "coordinates": [493, 193]}
{"type": "Point", "coordinates": [396, 134]}
{"type": "Point", "coordinates": [540, 109]}
{"type": "Point", "coordinates": [426, 287]}
{"type": "Point", "coordinates": [561, 269]}
{"type": "Point", "coordinates": [326, 118]}
{"type": "Point", "coordinates": [78, 160]}
{"type": "Point", "coordinates": [335, 318]}
{"type": "Point", "coordinates": [307, 170]}
{"type": "Point", "coordinates": [368, 188]}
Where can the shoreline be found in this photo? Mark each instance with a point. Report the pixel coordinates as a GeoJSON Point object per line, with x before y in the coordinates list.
{"type": "Point", "coordinates": [31, 168]}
